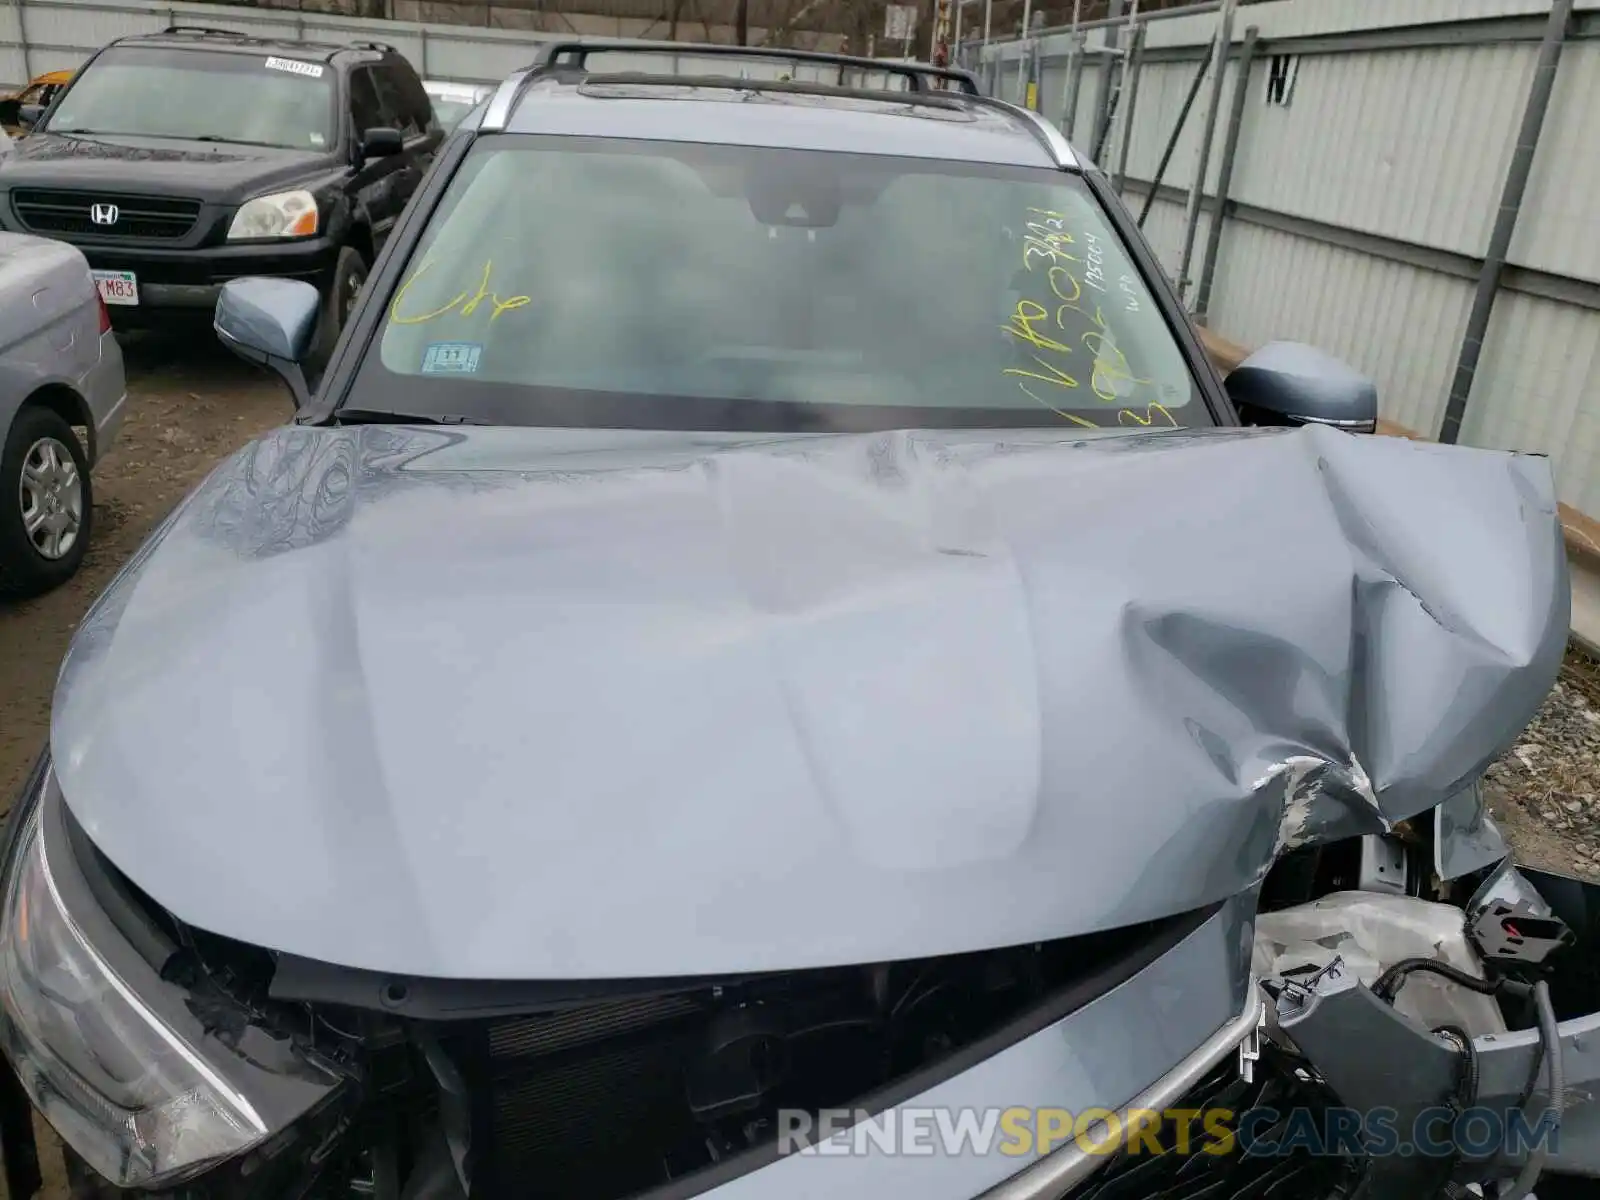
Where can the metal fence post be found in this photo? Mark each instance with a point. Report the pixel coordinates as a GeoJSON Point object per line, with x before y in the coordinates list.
{"type": "Point", "coordinates": [22, 39]}
{"type": "Point", "coordinates": [1069, 87]}
{"type": "Point", "coordinates": [1069, 92]}
{"type": "Point", "coordinates": [1102, 99]}
{"type": "Point", "coordinates": [1172, 138]}
{"type": "Point", "coordinates": [1505, 224]}
{"type": "Point", "coordinates": [1131, 86]}
{"type": "Point", "coordinates": [1230, 148]}
{"type": "Point", "coordinates": [1191, 220]}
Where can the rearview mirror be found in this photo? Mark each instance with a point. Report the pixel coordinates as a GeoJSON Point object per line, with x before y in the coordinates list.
{"type": "Point", "coordinates": [270, 322]}
{"type": "Point", "coordinates": [28, 115]}
{"type": "Point", "coordinates": [381, 142]}
{"type": "Point", "coordinates": [1289, 383]}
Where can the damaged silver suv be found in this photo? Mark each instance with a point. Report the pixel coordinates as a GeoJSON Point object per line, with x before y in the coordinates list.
{"type": "Point", "coordinates": [770, 667]}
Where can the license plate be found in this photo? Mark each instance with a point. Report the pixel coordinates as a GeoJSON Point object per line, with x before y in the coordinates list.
{"type": "Point", "coordinates": [117, 287]}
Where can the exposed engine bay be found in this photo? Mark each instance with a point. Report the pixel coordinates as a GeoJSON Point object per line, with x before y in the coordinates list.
{"type": "Point", "coordinates": [609, 1091]}
{"type": "Point", "coordinates": [665, 1088]}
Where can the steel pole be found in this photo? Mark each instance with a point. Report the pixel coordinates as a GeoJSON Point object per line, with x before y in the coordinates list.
{"type": "Point", "coordinates": [1172, 139]}
{"type": "Point", "coordinates": [1494, 259]}
{"type": "Point", "coordinates": [1191, 220]}
{"type": "Point", "coordinates": [1230, 148]}
{"type": "Point", "coordinates": [1108, 63]}
{"type": "Point", "coordinates": [1023, 56]}
{"type": "Point", "coordinates": [988, 19]}
{"type": "Point", "coordinates": [22, 39]}
{"type": "Point", "coordinates": [1131, 86]}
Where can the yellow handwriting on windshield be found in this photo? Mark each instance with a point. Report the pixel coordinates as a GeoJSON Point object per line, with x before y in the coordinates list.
{"type": "Point", "coordinates": [1027, 314]}
{"type": "Point", "coordinates": [1128, 417]}
{"type": "Point", "coordinates": [1110, 366]}
{"type": "Point", "coordinates": [460, 303]}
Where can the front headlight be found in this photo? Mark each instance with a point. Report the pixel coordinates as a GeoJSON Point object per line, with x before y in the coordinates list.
{"type": "Point", "coordinates": [109, 1052]}
{"type": "Point", "coordinates": [280, 215]}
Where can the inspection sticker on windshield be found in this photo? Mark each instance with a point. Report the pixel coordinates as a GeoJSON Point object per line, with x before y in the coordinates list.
{"type": "Point", "coordinates": [294, 65]}
{"type": "Point", "coordinates": [451, 358]}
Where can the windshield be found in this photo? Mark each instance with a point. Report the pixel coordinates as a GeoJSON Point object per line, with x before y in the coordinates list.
{"type": "Point", "coordinates": [250, 99]}
{"type": "Point", "coordinates": [605, 283]}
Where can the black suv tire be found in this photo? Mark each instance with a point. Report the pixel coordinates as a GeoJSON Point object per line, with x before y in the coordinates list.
{"type": "Point", "coordinates": [349, 275]}
{"type": "Point", "coordinates": [25, 570]}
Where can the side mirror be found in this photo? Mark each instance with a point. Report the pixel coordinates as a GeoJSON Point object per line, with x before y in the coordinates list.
{"type": "Point", "coordinates": [381, 142]}
{"type": "Point", "coordinates": [1288, 383]}
{"type": "Point", "coordinates": [28, 115]}
{"type": "Point", "coordinates": [270, 322]}
{"type": "Point", "coordinates": [10, 110]}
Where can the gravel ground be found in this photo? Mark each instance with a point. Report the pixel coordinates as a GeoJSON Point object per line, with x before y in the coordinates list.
{"type": "Point", "coordinates": [192, 403]}
{"type": "Point", "coordinates": [1544, 790]}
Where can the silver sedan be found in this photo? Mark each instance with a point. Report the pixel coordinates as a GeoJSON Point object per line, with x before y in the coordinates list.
{"type": "Point", "coordinates": [60, 369]}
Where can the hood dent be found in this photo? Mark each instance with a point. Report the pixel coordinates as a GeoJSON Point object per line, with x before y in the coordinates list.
{"type": "Point", "coordinates": [491, 703]}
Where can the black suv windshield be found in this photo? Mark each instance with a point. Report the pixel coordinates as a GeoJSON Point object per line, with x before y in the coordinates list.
{"type": "Point", "coordinates": [251, 99]}
{"type": "Point", "coordinates": [609, 283]}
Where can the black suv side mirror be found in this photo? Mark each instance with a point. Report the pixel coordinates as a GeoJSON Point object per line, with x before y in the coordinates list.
{"type": "Point", "coordinates": [381, 142]}
{"type": "Point", "coordinates": [28, 115]}
{"type": "Point", "coordinates": [1289, 383]}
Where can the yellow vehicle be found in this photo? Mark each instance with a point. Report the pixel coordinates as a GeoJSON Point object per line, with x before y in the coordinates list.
{"type": "Point", "coordinates": [40, 90]}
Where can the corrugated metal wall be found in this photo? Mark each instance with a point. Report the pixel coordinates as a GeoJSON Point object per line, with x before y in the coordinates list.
{"type": "Point", "coordinates": [1361, 210]}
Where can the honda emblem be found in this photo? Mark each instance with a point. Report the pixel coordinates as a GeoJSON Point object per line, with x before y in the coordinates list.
{"type": "Point", "coordinates": [103, 214]}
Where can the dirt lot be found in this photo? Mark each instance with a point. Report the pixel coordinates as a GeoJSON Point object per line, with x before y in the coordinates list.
{"type": "Point", "coordinates": [192, 403]}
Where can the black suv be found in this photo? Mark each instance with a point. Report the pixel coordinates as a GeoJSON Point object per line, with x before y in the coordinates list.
{"type": "Point", "coordinates": [180, 160]}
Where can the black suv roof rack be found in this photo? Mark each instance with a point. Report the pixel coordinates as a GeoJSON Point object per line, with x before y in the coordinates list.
{"type": "Point", "coordinates": [569, 58]}
{"type": "Point", "coordinates": [573, 54]}
{"type": "Point", "coordinates": [380, 47]}
{"type": "Point", "coordinates": [208, 31]}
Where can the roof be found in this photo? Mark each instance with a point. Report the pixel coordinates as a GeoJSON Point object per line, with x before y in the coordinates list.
{"type": "Point", "coordinates": [796, 99]}
{"type": "Point", "coordinates": [844, 124]}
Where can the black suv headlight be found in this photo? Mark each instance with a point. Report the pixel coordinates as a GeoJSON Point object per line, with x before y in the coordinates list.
{"type": "Point", "coordinates": [116, 1058]}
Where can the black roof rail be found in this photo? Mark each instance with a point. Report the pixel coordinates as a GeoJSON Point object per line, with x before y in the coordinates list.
{"type": "Point", "coordinates": [929, 99]}
{"type": "Point", "coordinates": [207, 31]}
{"type": "Point", "coordinates": [380, 47]}
{"type": "Point", "coordinates": [573, 54]}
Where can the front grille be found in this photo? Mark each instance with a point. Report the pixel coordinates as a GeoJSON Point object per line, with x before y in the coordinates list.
{"type": "Point", "coordinates": [63, 213]}
{"type": "Point", "coordinates": [609, 1097]}
{"type": "Point", "coordinates": [554, 1073]}
{"type": "Point", "coordinates": [1170, 1175]}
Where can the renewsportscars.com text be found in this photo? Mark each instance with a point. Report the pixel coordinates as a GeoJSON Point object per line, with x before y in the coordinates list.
{"type": "Point", "coordinates": [1440, 1132]}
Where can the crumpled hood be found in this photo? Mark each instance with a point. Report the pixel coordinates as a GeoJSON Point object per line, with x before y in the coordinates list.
{"type": "Point", "coordinates": [491, 703]}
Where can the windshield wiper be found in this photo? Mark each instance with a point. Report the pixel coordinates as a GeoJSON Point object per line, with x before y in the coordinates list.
{"type": "Point", "coordinates": [228, 141]}
{"type": "Point", "coordinates": [377, 416]}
